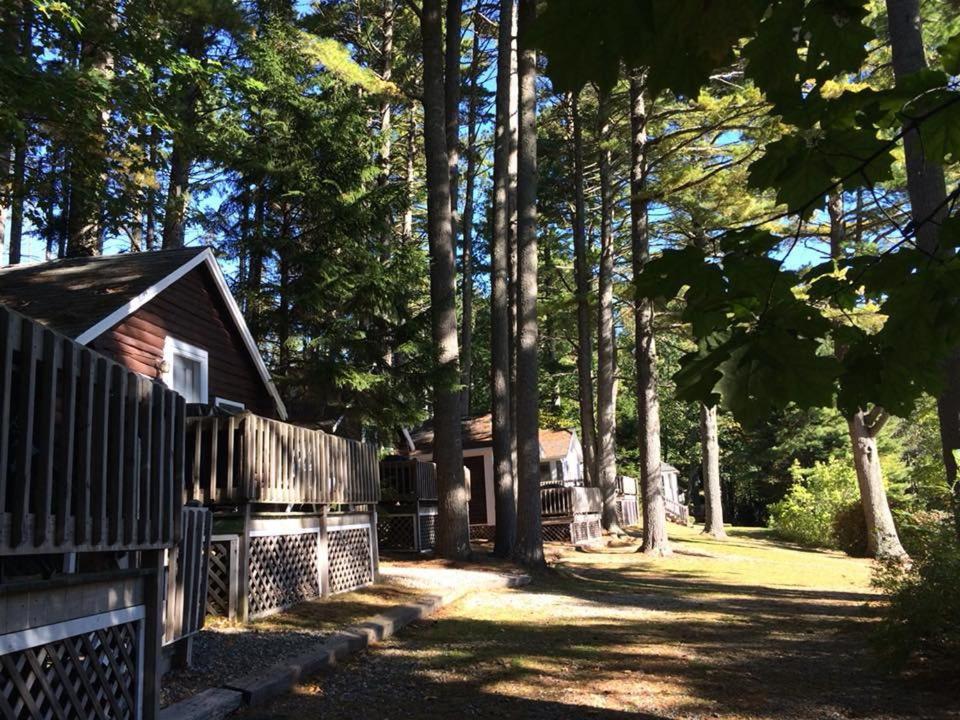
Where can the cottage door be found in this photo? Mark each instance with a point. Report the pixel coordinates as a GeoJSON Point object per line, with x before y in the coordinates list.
{"type": "Point", "coordinates": [478, 490]}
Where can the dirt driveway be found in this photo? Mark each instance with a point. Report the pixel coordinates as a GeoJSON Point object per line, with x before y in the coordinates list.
{"type": "Point", "coordinates": [746, 628]}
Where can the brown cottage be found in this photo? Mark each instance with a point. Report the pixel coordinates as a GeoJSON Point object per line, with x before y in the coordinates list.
{"type": "Point", "coordinates": [167, 315]}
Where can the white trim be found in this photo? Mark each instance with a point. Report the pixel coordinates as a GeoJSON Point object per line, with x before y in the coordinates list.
{"type": "Point", "coordinates": [206, 256]}
{"type": "Point", "coordinates": [339, 528]}
{"type": "Point", "coordinates": [228, 404]}
{"type": "Point", "coordinates": [296, 531]}
{"type": "Point", "coordinates": [32, 637]}
{"type": "Point", "coordinates": [174, 346]}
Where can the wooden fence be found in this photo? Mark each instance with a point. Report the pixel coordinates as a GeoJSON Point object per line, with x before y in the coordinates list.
{"type": "Point", "coordinates": [408, 479]}
{"type": "Point", "coordinates": [247, 458]}
{"type": "Point", "coordinates": [565, 501]}
{"type": "Point", "coordinates": [91, 454]}
{"type": "Point", "coordinates": [187, 563]}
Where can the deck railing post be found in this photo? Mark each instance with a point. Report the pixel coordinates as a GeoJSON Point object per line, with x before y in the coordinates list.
{"type": "Point", "coordinates": [152, 632]}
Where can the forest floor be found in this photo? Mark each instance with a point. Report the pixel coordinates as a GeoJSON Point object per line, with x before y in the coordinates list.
{"type": "Point", "coordinates": [742, 628]}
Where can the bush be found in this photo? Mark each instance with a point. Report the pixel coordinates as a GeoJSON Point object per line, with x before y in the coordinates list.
{"type": "Point", "coordinates": [807, 513]}
{"type": "Point", "coordinates": [850, 529]}
{"type": "Point", "coordinates": [923, 615]}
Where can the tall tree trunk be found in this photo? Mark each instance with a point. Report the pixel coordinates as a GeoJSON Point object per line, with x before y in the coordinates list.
{"type": "Point", "coordinates": [512, 220]}
{"type": "Point", "coordinates": [408, 177]}
{"type": "Point", "coordinates": [184, 151]}
{"type": "Point", "coordinates": [451, 89]}
{"type": "Point", "coordinates": [927, 189]}
{"type": "Point", "coordinates": [655, 539]}
{"type": "Point", "coordinates": [153, 154]}
{"type": "Point", "coordinates": [529, 548]}
{"type": "Point", "coordinates": [453, 531]}
{"type": "Point", "coordinates": [386, 107]}
{"type": "Point", "coordinates": [882, 540]}
{"type": "Point", "coordinates": [19, 165]}
{"type": "Point", "coordinates": [467, 230]}
{"type": "Point", "coordinates": [710, 472]}
{"type": "Point", "coordinates": [501, 390]}
{"type": "Point", "coordinates": [88, 157]}
{"type": "Point", "coordinates": [606, 410]}
{"type": "Point", "coordinates": [584, 291]}
{"type": "Point", "coordinates": [17, 190]}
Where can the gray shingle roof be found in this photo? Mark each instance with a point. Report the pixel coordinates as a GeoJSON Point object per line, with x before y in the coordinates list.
{"type": "Point", "coordinates": [74, 294]}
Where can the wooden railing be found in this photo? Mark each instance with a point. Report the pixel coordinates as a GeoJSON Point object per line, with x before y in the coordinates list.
{"type": "Point", "coordinates": [185, 604]}
{"type": "Point", "coordinates": [408, 479]}
{"type": "Point", "coordinates": [91, 454]}
{"type": "Point", "coordinates": [247, 458]}
{"type": "Point", "coordinates": [569, 500]}
{"type": "Point", "coordinates": [677, 512]}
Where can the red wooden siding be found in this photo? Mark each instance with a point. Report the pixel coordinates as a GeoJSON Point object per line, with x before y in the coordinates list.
{"type": "Point", "coordinates": [190, 310]}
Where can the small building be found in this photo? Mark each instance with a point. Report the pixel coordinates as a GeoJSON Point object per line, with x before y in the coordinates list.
{"type": "Point", "coordinates": [673, 498]}
{"type": "Point", "coordinates": [569, 510]}
{"type": "Point", "coordinates": [561, 461]}
{"type": "Point", "coordinates": [166, 315]}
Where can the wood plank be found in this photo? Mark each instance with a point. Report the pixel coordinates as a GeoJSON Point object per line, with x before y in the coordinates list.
{"type": "Point", "coordinates": [44, 438]}
{"type": "Point", "coordinates": [83, 468]}
{"type": "Point", "coordinates": [115, 455]}
{"type": "Point", "coordinates": [157, 464]}
{"type": "Point", "coordinates": [100, 434]}
{"type": "Point", "coordinates": [146, 390]}
{"type": "Point", "coordinates": [24, 456]}
{"type": "Point", "coordinates": [9, 325]}
{"type": "Point", "coordinates": [131, 460]}
{"type": "Point", "coordinates": [68, 395]}
{"type": "Point", "coordinates": [178, 487]}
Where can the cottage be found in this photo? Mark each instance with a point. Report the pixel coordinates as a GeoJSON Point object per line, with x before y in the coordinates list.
{"type": "Point", "coordinates": [570, 511]}
{"type": "Point", "coordinates": [166, 315]}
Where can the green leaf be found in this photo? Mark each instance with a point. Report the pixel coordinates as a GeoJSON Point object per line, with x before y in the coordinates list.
{"type": "Point", "coordinates": [950, 55]}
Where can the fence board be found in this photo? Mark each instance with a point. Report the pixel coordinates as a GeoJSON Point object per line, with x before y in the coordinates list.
{"type": "Point", "coordinates": [75, 451]}
{"type": "Point", "coordinates": [256, 459]}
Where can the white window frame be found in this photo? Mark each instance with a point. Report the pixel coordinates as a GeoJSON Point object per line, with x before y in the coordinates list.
{"type": "Point", "coordinates": [171, 347]}
{"type": "Point", "coordinates": [226, 404]}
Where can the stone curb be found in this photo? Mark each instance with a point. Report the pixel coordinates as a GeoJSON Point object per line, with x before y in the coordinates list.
{"type": "Point", "coordinates": [253, 690]}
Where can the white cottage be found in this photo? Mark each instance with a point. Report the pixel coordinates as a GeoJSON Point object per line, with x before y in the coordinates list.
{"type": "Point", "coordinates": [561, 461]}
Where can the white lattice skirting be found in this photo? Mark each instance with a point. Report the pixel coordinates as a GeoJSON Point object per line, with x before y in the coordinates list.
{"type": "Point", "coordinates": [90, 667]}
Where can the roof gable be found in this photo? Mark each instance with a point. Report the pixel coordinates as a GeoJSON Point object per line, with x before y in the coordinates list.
{"type": "Point", "coordinates": [85, 297]}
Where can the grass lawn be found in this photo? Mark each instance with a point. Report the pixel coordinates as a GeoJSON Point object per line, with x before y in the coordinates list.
{"type": "Point", "coordinates": [742, 628]}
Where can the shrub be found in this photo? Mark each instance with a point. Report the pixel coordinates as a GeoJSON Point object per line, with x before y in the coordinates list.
{"type": "Point", "coordinates": [806, 514]}
{"type": "Point", "coordinates": [850, 529]}
{"type": "Point", "coordinates": [923, 615]}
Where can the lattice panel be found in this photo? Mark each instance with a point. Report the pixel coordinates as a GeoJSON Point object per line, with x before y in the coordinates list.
{"type": "Point", "coordinates": [350, 563]}
{"type": "Point", "coordinates": [218, 579]}
{"type": "Point", "coordinates": [92, 675]}
{"type": "Point", "coordinates": [395, 532]}
{"type": "Point", "coordinates": [627, 511]}
{"type": "Point", "coordinates": [481, 532]}
{"type": "Point", "coordinates": [554, 532]}
{"type": "Point", "coordinates": [283, 571]}
{"type": "Point", "coordinates": [428, 532]}
{"type": "Point", "coordinates": [585, 529]}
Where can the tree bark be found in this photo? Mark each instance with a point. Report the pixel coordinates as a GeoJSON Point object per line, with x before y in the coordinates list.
{"type": "Point", "coordinates": [467, 223]}
{"type": "Point", "coordinates": [710, 464]}
{"type": "Point", "coordinates": [883, 542]}
{"type": "Point", "coordinates": [453, 529]}
{"type": "Point", "coordinates": [451, 91]}
{"type": "Point", "coordinates": [502, 389]}
{"type": "Point", "coordinates": [584, 291]}
{"type": "Point", "coordinates": [512, 225]}
{"type": "Point", "coordinates": [927, 189]}
{"type": "Point", "coordinates": [529, 548]}
{"type": "Point", "coordinates": [655, 541]}
{"type": "Point", "coordinates": [184, 151]}
{"type": "Point", "coordinates": [89, 149]}
{"type": "Point", "coordinates": [606, 409]}
{"type": "Point", "coordinates": [19, 164]}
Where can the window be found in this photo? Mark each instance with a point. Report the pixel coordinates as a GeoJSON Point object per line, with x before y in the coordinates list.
{"type": "Point", "coordinates": [185, 369]}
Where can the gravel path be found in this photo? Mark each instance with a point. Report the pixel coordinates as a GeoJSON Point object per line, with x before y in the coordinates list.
{"type": "Point", "coordinates": [225, 650]}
